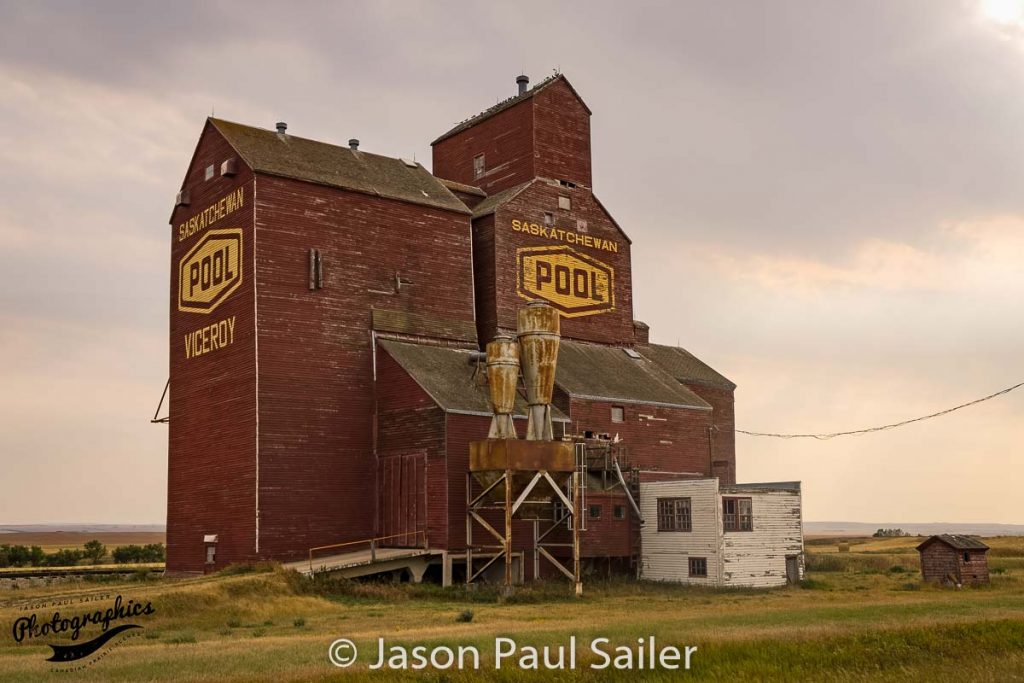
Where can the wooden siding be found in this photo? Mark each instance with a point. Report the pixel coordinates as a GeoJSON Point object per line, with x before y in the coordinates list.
{"type": "Point", "coordinates": [317, 466]}
{"type": "Point", "coordinates": [505, 140]}
{"type": "Point", "coordinates": [735, 558]}
{"type": "Point", "coordinates": [666, 553]}
{"type": "Point", "coordinates": [723, 419]}
{"type": "Point", "coordinates": [757, 558]}
{"type": "Point", "coordinates": [211, 459]}
{"type": "Point", "coordinates": [655, 437]}
{"type": "Point", "coordinates": [529, 206]}
{"type": "Point", "coordinates": [408, 421]}
{"type": "Point", "coordinates": [561, 135]}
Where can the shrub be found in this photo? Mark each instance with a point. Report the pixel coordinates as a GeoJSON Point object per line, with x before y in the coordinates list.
{"type": "Point", "coordinates": [234, 623]}
{"type": "Point", "coordinates": [95, 550]}
{"type": "Point", "coordinates": [299, 622]}
{"type": "Point", "coordinates": [465, 616]}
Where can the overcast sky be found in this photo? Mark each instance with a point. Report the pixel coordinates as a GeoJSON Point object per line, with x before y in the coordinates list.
{"type": "Point", "coordinates": [825, 201]}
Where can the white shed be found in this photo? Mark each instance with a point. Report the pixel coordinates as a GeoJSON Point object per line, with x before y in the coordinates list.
{"type": "Point", "coordinates": [700, 531]}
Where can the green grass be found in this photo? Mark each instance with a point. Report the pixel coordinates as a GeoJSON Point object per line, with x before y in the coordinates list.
{"type": "Point", "coordinates": [856, 618]}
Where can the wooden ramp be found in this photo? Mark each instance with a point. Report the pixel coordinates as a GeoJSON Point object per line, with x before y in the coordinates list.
{"type": "Point", "coordinates": [366, 562]}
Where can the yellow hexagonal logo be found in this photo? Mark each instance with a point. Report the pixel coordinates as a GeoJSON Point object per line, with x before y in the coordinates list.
{"type": "Point", "coordinates": [210, 271]}
{"type": "Point", "coordinates": [572, 282]}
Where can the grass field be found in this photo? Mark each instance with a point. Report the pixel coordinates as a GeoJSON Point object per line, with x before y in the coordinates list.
{"type": "Point", "coordinates": [863, 616]}
{"type": "Point", "coordinates": [72, 540]}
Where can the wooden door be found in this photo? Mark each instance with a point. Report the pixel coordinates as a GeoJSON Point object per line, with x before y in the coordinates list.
{"type": "Point", "coordinates": [403, 499]}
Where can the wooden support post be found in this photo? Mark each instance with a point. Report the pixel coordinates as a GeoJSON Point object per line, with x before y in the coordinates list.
{"type": "Point", "coordinates": [508, 531]}
{"type": "Point", "coordinates": [469, 529]}
{"type": "Point", "coordinates": [576, 483]}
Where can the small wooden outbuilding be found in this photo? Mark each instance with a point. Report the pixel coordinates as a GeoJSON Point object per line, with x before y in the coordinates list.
{"type": "Point", "coordinates": [954, 559]}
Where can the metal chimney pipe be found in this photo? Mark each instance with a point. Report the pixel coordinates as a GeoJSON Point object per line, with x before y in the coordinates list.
{"type": "Point", "coordinates": [353, 144]}
{"type": "Point", "coordinates": [502, 380]}
{"type": "Point", "coordinates": [539, 336]}
{"type": "Point", "coordinates": [522, 81]}
{"type": "Point", "coordinates": [281, 127]}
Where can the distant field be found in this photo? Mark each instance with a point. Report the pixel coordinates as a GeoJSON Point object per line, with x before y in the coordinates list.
{"type": "Point", "coordinates": [866, 617]}
{"type": "Point", "coordinates": [57, 540]}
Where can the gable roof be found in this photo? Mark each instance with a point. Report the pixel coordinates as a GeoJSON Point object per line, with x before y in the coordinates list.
{"type": "Point", "coordinates": [508, 104]}
{"type": "Point", "coordinates": [290, 156]}
{"type": "Point", "coordinates": [683, 365]}
{"type": "Point", "coordinates": [606, 373]}
{"type": "Point", "coordinates": [955, 541]}
{"type": "Point", "coordinates": [491, 204]}
{"type": "Point", "coordinates": [446, 374]}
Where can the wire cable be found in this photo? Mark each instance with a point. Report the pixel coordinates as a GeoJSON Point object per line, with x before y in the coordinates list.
{"type": "Point", "coordinates": [825, 437]}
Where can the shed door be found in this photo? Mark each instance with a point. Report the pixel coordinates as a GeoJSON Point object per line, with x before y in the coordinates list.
{"type": "Point", "coordinates": [792, 569]}
{"type": "Point", "coordinates": [403, 505]}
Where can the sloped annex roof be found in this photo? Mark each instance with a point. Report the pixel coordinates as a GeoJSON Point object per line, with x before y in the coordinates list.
{"type": "Point", "coordinates": [447, 375]}
{"type": "Point", "coordinates": [290, 156]}
{"type": "Point", "coordinates": [955, 541]}
{"type": "Point", "coordinates": [508, 104]}
{"type": "Point", "coordinates": [607, 373]}
{"type": "Point", "coordinates": [683, 365]}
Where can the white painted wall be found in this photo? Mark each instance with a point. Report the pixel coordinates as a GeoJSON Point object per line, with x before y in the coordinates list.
{"type": "Point", "coordinates": [666, 554]}
{"type": "Point", "coordinates": [758, 558]}
{"type": "Point", "coordinates": [736, 558]}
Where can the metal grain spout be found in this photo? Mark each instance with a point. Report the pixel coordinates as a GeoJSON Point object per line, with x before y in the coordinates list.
{"type": "Point", "coordinates": [538, 356]}
{"type": "Point", "coordinates": [502, 380]}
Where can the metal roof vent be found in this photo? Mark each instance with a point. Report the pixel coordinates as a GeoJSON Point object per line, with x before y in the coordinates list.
{"type": "Point", "coordinates": [522, 81]}
{"type": "Point", "coordinates": [282, 127]}
{"type": "Point", "coordinates": [353, 144]}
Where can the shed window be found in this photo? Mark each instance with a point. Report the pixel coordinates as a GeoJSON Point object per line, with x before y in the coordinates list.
{"type": "Point", "coordinates": [967, 557]}
{"type": "Point", "coordinates": [564, 203]}
{"type": "Point", "coordinates": [737, 514]}
{"type": "Point", "coordinates": [478, 165]}
{"type": "Point", "coordinates": [618, 414]}
{"type": "Point", "coordinates": [698, 566]}
{"type": "Point", "coordinates": [674, 514]}
{"type": "Point", "coordinates": [620, 512]}
{"type": "Point", "coordinates": [595, 511]}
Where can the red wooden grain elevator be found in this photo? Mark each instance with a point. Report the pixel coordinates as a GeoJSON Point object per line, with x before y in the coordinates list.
{"type": "Point", "coordinates": [327, 310]}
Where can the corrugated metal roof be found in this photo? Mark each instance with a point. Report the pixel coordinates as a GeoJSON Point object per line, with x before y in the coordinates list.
{"type": "Point", "coordinates": [683, 365]}
{"type": "Point", "coordinates": [606, 373]}
{"type": "Point", "coordinates": [447, 375]}
{"type": "Point", "coordinates": [508, 104]}
{"type": "Point", "coordinates": [290, 156]}
{"type": "Point", "coordinates": [956, 541]}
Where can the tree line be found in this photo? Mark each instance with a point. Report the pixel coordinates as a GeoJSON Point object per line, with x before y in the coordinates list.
{"type": "Point", "coordinates": [94, 552]}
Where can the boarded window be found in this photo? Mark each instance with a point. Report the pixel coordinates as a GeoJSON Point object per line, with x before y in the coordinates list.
{"type": "Point", "coordinates": [211, 554]}
{"type": "Point", "coordinates": [564, 203]}
{"type": "Point", "coordinates": [674, 514]}
{"type": "Point", "coordinates": [478, 165]}
{"type": "Point", "coordinates": [698, 566]}
{"type": "Point", "coordinates": [549, 218]}
{"type": "Point", "coordinates": [737, 514]}
{"type": "Point", "coordinates": [209, 172]}
{"type": "Point", "coordinates": [618, 414]}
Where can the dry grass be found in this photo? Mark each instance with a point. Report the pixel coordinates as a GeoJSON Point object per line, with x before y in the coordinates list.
{"type": "Point", "coordinates": [859, 623]}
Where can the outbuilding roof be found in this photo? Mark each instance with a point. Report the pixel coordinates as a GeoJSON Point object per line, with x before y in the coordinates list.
{"type": "Point", "coordinates": [955, 541]}
{"type": "Point", "coordinates": [608, 373]}
{"type": "Point", "coordinates": [508, 104]}
{"type": "Point", "coordinates": [450, 378]}
{"type": "Point", "coordinates": [290, 156]}
{"type": "Point", "coordinates": [683, 365]}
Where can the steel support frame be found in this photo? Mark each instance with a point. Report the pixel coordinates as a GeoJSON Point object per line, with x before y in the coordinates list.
{"type": "Point", "coordinates": [510, 506]}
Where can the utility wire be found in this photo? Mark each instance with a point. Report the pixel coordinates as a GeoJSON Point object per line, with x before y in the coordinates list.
{"type": "Point", "coordinates": [825, 437]}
